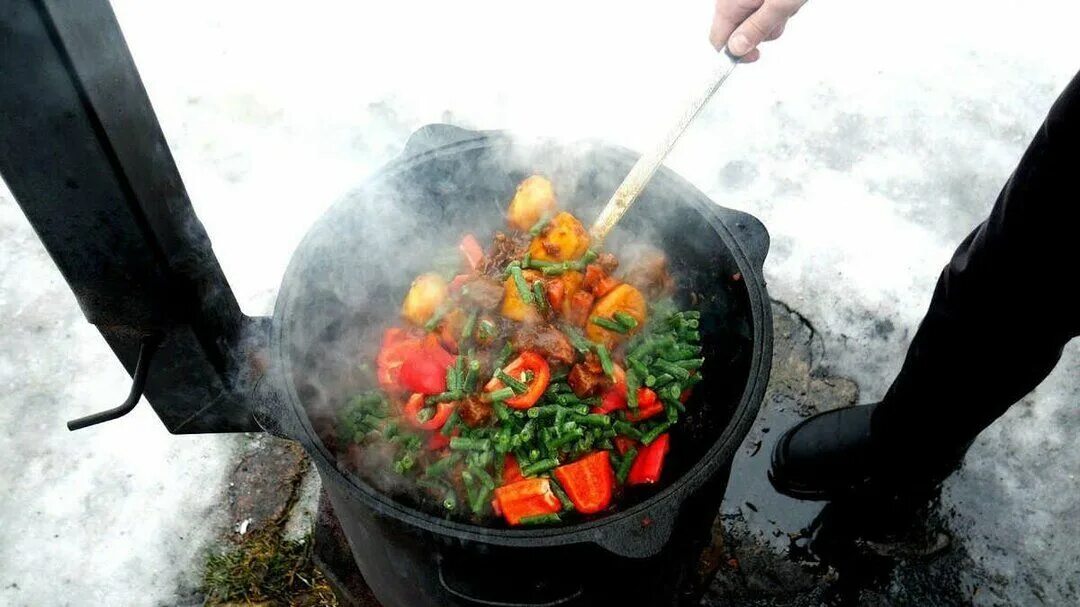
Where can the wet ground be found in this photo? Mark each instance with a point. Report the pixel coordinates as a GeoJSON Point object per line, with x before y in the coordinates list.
{"type": "Point", "coordinates": [773, 550]}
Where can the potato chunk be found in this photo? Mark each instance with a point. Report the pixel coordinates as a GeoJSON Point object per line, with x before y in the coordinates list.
{"type": "Point", "coordinates": [535, 197]}
{"type": "Point", "coordinates": [623, 298]}
{"type": "Point", "coordinates": [513, 306]}
{"type": "Point", "coordinates": [563, 239]}
{"type": "Point", "coordinates": [426, 294]}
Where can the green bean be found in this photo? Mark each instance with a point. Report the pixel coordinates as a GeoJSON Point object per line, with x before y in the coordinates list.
{"type": "Point", "coordinates": [472, 376]}
{"type": "Point", "coordinates": [540, 225]}
{"type": "Point", "coordinates": [503, 356]}
{"type": "Point", "coordinates": [539, 296]}
{"type": "Point", "coordinates": [555, 270]}
{"type": "Point", "coordinates": [566, 439]}
{"type": "Point", "coordinates": [481, 500]}
{"type": "Point", "coordinates": [662, 380]}
{"type": "Point", "coordinates": [638, 366]}
{"type": "Point", "coordinates": [672, 368]}
{"type": "Point", "coordinates": [459, 443]}
{"type": "Point", "coordinates": [589, 257]}
{"type": "Point", "coordinates": [485, 330]}
{"type": "Point", "coordinates": [500, 412]}
{"type": "Point", "coordinates": [578, 340]}
{"type": "Point", "coordinates": [626, 430]}
{"type": "Point", "coordinates": [624, 465]}
{"type": "Point", "coordinates": [540, 519]}
{"type": "Point", "coordinates": [650, 380]}
{"type": "Point", "coordinates": [632, 385]}
{"type": "Point", "coordinates": [470, 324]}
{"type": "Point", "coordinates": [483, 476]}
{"type": "Point", "coordinates": [624, 319]}
{"type": "Point", "coordinates": [605, 360]}
{"type": "Point", "coordinates": [452, 378]}
{"type": "Point", "coordinates": [510, 267]}
{"type": "Point", "coordinates": [672, 413]}
{"type": "Point", "coordinates": [559, 493]}
{"type": "Point", "coordinates": [542, 410]}
{"type": "Point", "coordinates": [608, 324]}
{"type": "Point", "coordinates": [690, 363]}
{"type": "Point", "coordinates": [593, 419]}
{"type": "Point", "coordinates": [514, 384]}
{"type": "Point", "coordinates": [499, 395]}
{"type": "Point", "coordinates": [451, 421]}
{"type": "Point", "coordinates": [655, 433]}
{"type": "Point", "coordinates": [541, 466]}
{"type": "Point", "coordinates": [522, 286]}
{"type": "Point", "coordinates": [445, 397]}
{"type": "Point", "coordinates": [436, 318]}
{"type": "Point", "coordinates": [443, 465]}
{"type": "Point", "coordinates": [526, 433]}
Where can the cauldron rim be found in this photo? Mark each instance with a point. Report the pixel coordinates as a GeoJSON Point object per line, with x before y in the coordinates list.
{"type": "Point", "coordinates": [293, 422]}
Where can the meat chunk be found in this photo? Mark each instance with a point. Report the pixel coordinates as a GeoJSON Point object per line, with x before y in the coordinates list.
{"type": "Point", "coordinates": [545, 340]}
{"type": "Point", "coordinates": [483, 291]}
{"type": "Point", "coordinates": [474, 411]}
{"type": "Point", "coordinates": [649, 274]}
{"type": "Point", "coordinates": [504, 249]}
{"type": "Point", "coordinates": [585, 382]}
{"type": "Point", "coordinates": [608, 263]}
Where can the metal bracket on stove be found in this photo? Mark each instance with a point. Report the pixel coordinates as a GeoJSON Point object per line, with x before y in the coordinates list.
{"type": "Point", "coordinates": [149, 345]}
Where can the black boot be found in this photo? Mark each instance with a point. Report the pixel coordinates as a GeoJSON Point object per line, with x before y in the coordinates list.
{"type": "Point", "coordinates": [827, 456]}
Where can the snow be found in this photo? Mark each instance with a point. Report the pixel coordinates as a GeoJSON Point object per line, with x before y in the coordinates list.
{"type": "Point", "coordinates": [870, 139]}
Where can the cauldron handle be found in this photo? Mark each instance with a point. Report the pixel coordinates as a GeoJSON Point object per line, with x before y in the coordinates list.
{"type": "Point", "coordinates": [749, 232]}
{"type": "Point", "coordinates": [436, 135]}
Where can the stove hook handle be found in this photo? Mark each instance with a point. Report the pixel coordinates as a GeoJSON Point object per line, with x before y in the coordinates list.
{"type": "Point", "coordinates": [149, 345]}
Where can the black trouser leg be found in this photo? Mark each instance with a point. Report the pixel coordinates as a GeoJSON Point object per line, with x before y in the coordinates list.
{"type": "Point", "coordinates": [1002, 311]}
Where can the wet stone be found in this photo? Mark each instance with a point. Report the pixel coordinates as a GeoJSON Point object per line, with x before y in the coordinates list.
{"type": "Point", "coordinates": [263, 485]}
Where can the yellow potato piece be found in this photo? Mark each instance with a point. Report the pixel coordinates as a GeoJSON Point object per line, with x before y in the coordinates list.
{"type": "Point", "coordinates": [513, 306]}
{"type": "Point", "coordinates": [564, 239]}
{"type": "Point", "coordinates": [623, 298]}
{"type": "Point", "coordinates": [571, 285]}
{"type": "Point", "coordinates": [535, 197]}
{"type": "Point", "coordinates": [426, 294]}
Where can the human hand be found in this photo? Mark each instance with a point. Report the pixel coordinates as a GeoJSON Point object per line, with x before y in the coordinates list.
{"type": "Point", "coordinates": [744, 24]}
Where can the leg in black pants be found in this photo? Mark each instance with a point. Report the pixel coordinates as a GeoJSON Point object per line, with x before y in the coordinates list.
{"type": "Point", "coordinates": [1003, 309]}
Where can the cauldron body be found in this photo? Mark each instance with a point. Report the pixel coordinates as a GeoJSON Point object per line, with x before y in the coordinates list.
{"type": "Point", "coordinates": [345, 282]}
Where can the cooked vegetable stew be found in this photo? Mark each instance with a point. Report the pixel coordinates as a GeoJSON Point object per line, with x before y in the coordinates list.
{"type": "Point", "coordinates": [539, 381]}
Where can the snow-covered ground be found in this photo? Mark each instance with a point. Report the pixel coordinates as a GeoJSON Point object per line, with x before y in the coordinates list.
{"type": "Point", "coordinates": [870, 140]}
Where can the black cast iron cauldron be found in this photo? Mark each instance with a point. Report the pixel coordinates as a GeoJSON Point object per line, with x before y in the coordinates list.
{"type": "Point", "coordinates": [344, 284]}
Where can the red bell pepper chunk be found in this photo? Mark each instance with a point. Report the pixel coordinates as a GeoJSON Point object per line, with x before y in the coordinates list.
{"type": "Point", "coordinates": [613, 399]}
{"type": "Point", "coordinates": [526, 361]}
{"type": "Point", "coordinates": [396, 347]}
{"type": "Point", "coordinates": [588, 482]}
{"type": "Point", "coordinates": [529, 497]}
{"type": "Point", "coordinates": [424, 368]}
{"type": "Point", "coordinates": [648, 406]}
{"type": "Point", "coordinates": [685, 396]}
{"type": "Point", "coordinates": [437, 441]}
{"type": "Point", "coordinates": [457, 282]}
{"type": "Point", "coordinates": [416, 403]}
{"type": "Point", "coordinates": [472, 251]}
{"type": "Point", "coordinates": [511, 472]}
{"type": "Point", "coordinates": [649, 462]}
